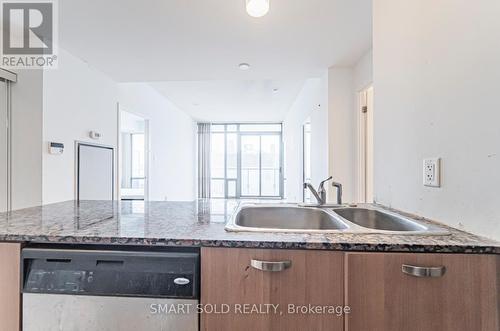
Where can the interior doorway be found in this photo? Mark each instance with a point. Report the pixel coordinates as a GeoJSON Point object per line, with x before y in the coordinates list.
{"type": "Point", "coordinates": [134, 156]}
{"type": "Point", "coordinates": [365, 129]}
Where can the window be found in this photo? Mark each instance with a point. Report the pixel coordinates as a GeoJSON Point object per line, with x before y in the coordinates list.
{"type": "Point", "coordinates": [246, 161]}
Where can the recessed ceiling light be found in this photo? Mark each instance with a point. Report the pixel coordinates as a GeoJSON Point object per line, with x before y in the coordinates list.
{"type": "Point", "coordinates": [275, 90]}
{"type": "Point", "coordinates": [244, 66]}
{"type": "Point", "coordinates": [196, 104]}
{"type": "Point", "coordinates": [257, 8]}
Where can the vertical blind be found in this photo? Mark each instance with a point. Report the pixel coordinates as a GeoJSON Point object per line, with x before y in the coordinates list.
{"type": "Point", "coordinates": [204, 175]}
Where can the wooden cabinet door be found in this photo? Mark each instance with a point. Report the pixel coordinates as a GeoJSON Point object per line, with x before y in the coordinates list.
{"type": "Point", "coordinates": [314, 277]}
{"type": "Point", "coordinates": [383, 298]}
{"type": "Point", "coordinates": [10, 292]}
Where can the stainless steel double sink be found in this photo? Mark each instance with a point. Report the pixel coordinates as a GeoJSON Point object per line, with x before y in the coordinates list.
{"type": "Point", "coordinates": [364, 218]}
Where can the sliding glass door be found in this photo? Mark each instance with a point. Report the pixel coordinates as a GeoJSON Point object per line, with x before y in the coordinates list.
{"type": "Point", "coordinates": [246, 161]}
{"type": "Point", "coordinates": [250, 165]}
{"type": "Point", "coordinates": [260, 165]}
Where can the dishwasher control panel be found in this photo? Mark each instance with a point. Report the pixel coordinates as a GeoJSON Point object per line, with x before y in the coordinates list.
{"type": "Point", "coordinates": [111, 273]}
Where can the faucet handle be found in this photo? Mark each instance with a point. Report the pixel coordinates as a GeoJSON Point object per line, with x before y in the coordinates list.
{"type": "Point", "coordinates": [322, 184]}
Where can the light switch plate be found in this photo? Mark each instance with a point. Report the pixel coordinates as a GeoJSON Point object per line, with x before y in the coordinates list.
{"type": "Point", "coordinates": [432, 172]}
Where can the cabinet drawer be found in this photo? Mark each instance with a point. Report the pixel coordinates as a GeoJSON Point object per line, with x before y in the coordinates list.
{"type": "Point", "coordinates": [277, 277]}
{"type": "Point", "coordinates": [431, 292]}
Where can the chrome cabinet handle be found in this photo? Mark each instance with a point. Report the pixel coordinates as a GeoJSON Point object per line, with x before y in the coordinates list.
{"type": "Point", "coordinates": [423, 271]}
{"type": "Point", "coordinates": [270, 266]}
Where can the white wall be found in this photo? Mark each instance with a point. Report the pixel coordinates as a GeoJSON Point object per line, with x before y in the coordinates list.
{"type": "Point", "coordinates": [131, 123]}
{"type": "Point", "coordinates": [344, 84]}
{"type": "Point", "coordinates": [172, 140]}
{"type": "Point", "coordinates": [77, 99]}
{"type": "Point", "coordinates": [363, 72]}
{"type": "Point", "coordinates": [310, 102]}
{"type": "Point", "coordinates": [341, 133]}
{"type": "Point", "coordinates": [26, 170]}
{"type": "Point", "coordinates": [436, 85]}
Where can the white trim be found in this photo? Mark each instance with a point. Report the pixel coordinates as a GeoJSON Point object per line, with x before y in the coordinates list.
{"type": "Point", "coordinates": [147, 148]}
{"type": "Point", "coordinates": [8, 88]}
{"type": "Point", "coordinates": [118, 155]}
{"type": "Point", "coordinates": [361, 129]}
{"type": "Point", "coordinates": [365, 145]}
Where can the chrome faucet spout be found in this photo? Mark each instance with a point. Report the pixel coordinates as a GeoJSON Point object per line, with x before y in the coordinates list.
{"type": "Point", "coordinates": [320, 194]}
{"type": "Point", "coordinates": [317, 195]}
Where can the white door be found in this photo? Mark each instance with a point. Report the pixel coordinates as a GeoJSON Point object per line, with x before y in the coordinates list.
{"type": "Point", "coordinates": [3, 146]}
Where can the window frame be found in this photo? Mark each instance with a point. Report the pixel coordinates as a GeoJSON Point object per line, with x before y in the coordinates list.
{"type": "Point", "coordinates": [239, 133]}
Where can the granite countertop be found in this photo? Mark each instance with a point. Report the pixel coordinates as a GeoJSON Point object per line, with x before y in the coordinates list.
{"type": "Point", "coordinates": [200, 223]}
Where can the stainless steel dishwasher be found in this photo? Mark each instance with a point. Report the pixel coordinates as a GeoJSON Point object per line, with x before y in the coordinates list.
{"type": "Point", "coordinates": [100, 290]}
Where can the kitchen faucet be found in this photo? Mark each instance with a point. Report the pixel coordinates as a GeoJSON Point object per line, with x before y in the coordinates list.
{"type": "Point", "coordinates": [320, 194]}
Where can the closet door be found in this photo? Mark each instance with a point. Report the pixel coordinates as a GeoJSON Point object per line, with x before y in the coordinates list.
{"type": "Point", "coordinates": [3, 146]}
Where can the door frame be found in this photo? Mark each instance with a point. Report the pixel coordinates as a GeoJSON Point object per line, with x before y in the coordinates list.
{"type": "Point", "coordinates": [147, 151]}
{"type": "Point", "coordinates": [365, 144]}
{"type": "Point", "coordinates": [304, 179]}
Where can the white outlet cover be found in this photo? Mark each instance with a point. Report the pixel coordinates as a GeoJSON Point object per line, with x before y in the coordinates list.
{"type": "Point", "coordinates": [432, 172]}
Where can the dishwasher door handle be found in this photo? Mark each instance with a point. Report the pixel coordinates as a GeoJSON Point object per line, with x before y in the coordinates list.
{"type": "Point", "coordinates": [181, 281]}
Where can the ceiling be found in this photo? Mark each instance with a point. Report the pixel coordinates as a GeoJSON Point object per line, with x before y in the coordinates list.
{"type": "Point", "coordinates": [165, 40]}
{"type": "Point", "coordinates": [190, 49]}
{"type": "Point", "coordinates": [236, 100]}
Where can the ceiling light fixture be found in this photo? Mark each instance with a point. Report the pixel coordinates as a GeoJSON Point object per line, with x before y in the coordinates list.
{"type": "Point", "coordinates": [275, 90]}
{"type": "Point", "coordinates": [257, 8]}
{"type": "Point", "coordinates": [244, 66]}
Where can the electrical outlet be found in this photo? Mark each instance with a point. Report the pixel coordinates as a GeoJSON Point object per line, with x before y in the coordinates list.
{"type": "Point", "coordinates": [432, 172]}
